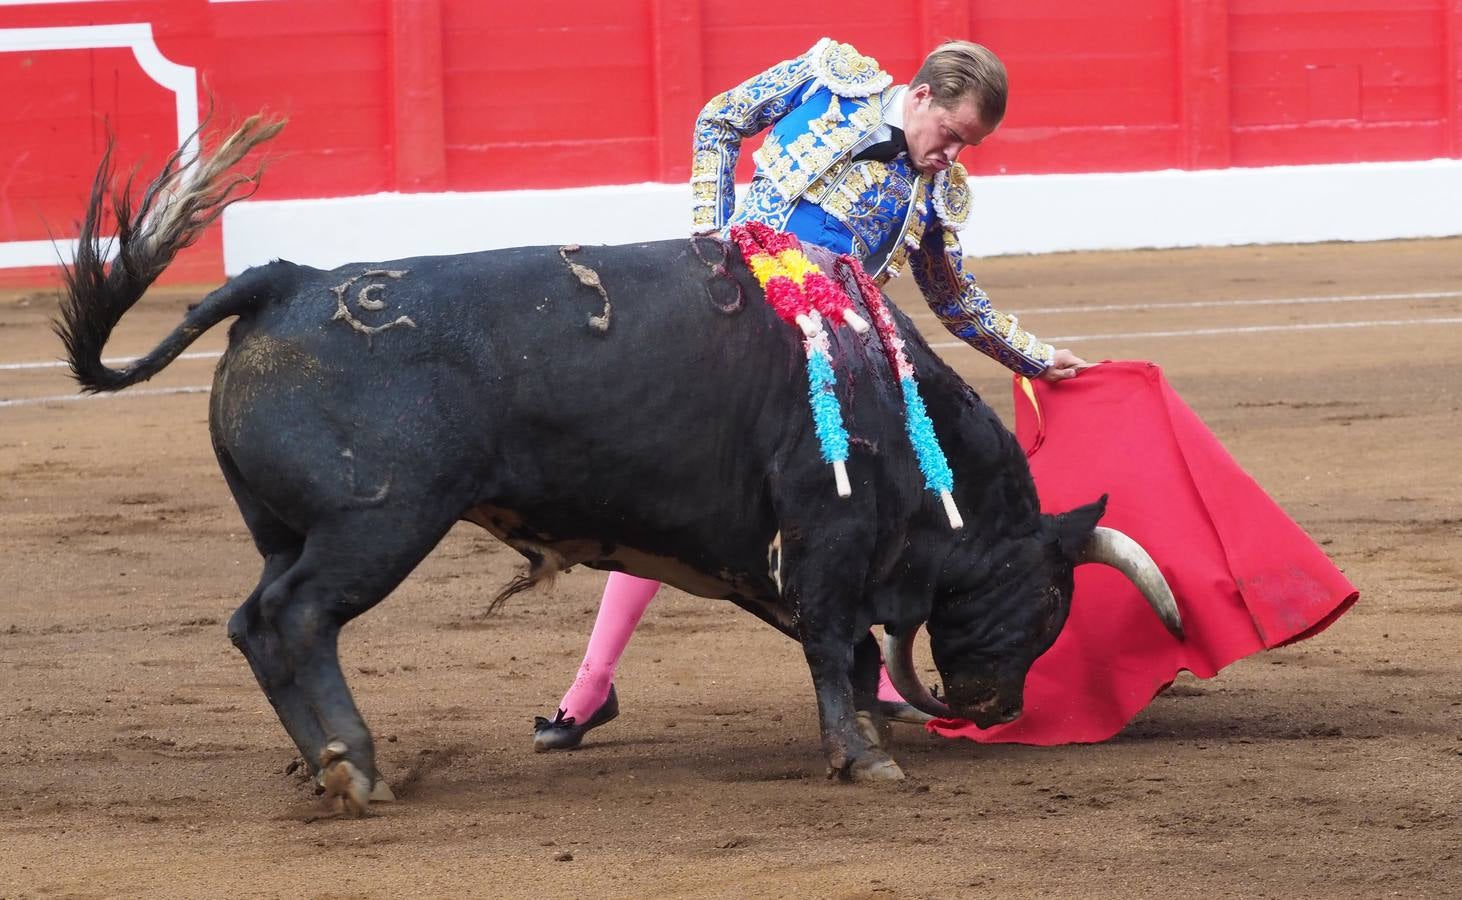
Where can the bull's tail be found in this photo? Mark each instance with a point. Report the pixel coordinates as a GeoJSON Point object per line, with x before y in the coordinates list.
{"type": "Point", "coordinates": [174, 210]}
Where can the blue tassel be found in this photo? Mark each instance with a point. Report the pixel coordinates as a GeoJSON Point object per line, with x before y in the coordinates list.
{"type": "Point", "coordinates": [827, 415]}
{"type": "Point", "coordinates": [932, 462]}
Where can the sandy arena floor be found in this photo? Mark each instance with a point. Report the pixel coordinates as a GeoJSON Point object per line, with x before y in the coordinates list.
{"type": "Point", "coordinates": [139, 758]}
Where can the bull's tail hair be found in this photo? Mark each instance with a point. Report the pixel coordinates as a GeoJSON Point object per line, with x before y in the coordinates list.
{"type": "Point", "coordinates": [518, 585]}
{"type": "Point", "coordinates": [184, 199]}
{"type": "Point", "coordinates": [541, 571]}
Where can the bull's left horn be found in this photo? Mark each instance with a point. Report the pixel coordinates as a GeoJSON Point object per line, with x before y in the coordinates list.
{"type": "Point", "coordinates": [1111, 547]}
{"type": "Point", "coordinates": [898, 658]}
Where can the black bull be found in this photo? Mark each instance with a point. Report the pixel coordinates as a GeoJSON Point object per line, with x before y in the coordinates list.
{"type": "Point", "coordinates": [657, 424]}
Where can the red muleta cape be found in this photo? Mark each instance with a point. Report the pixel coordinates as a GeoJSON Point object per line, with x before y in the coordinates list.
{"type": "Point", "coordinates": [1246, 577]}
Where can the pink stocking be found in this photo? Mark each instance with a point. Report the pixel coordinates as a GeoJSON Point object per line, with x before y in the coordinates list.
{"type": "Point", "coordinates": [624, 601]}
{"type": "Point", "coordinates": [886, 690]}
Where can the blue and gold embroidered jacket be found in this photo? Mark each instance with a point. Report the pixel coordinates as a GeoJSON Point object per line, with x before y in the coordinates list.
{"type": "Point", "coordinates": [818, 107]}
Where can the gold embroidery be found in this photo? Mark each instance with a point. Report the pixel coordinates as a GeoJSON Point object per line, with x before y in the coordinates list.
{"type": "Point", "coordinates": [833, 116]}
{"type": "Point", "coordinates": [820, 186]}
{"type": "Point", "coordinates": [776, 164]}
{"type": "Point", "coordinates": [705, 162]}
{"type": "Point", "coordinates": [921, 196]}
{"type": "Point", "coordinates": [802, 145]}
{"type": "Point", "coordinates": [867, 116]}
{"type": "Point", "coordinates": [952, 196]}
{"type": "Point", "coordinates": [839, 203]}
{"type": "Point", "coordinates": [847, 72]}
{"type": "Point", "coordinates": [895, 265]}
{"type": "Point", "coordinates": [870, 172]}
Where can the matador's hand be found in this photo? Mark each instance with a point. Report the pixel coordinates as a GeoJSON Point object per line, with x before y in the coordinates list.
{"type": "Point", "coordinates": [1064, 365]}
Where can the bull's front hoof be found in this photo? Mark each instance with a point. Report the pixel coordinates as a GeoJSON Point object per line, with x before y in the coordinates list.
{"type": "Point", "coordinates": [871, 765]}
{"type": "Point", "coordinates": [344, 783]}
{"type": "Point", "coordinates": [875, 767]}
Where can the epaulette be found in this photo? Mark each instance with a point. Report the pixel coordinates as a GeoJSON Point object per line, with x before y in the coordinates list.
{"type": "Point", "coordinates": [951, 195]}
{"type": "Point", "coordinates": [847, 73]}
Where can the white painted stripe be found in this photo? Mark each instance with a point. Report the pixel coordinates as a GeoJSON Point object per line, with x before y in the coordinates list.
{"type": "Point", "coordinates": [1213, 207]}
{"type": "Point", "coordinates": [28, 254]}
{"type": "Point", "coordinates": [1241, 329]}
{"type": "Point", "coordinates": [1218, 304]}
{"type": "Point", "coordinates": [110, 361]}
{"type": "Point", "coordinates": [141, 392]}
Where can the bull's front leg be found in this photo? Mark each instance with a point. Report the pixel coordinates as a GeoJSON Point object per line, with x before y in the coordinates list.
{"type": "Point", "coordinates": [829, 637]}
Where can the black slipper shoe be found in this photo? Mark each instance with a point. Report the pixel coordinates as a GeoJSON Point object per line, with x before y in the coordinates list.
{"type": "Point", "coordinates": [563, 733]}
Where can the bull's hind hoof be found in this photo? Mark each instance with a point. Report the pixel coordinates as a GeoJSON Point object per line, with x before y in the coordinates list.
{"type": "Point", "coordinates": [563, 733]}
{"type": "Point", "coordinates": [899, 711]}
{"type": "Point", "coordinates": [875, 729]}
{"type": "Point", "coordinates": [343, 782]}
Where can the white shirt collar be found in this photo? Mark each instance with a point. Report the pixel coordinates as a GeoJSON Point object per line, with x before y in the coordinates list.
{"type": "Point", "coordinates": [893, 109]}
{"type": "Point", "coordinates": [893, 116]}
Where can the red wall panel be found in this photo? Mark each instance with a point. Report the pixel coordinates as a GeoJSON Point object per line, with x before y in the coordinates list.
{"type": "Point", "coordinates": [54, 139]}
{"type": "Point", "coordinates": [544, 95]}
{"type": "Point", "coordinates": [1087, 81]}
{"type": "Point", "coordinates": [460, 95]}
{"type": "Point", "coordinates": [61, 105]}
{"type": "Point", "coordinates": [1339, 81]}
{"type": "Point", "coordinates": [322, 63]}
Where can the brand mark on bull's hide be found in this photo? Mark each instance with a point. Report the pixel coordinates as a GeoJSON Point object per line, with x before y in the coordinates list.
{"type": "Point", "coordinates": [369, 298]}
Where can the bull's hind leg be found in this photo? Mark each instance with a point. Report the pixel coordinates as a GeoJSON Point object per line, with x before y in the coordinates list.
{"type": "Point", "coordinates": [246, 633]}
{"type": "Point", "coordinates": [344, 569]}
{"type": "Point", "coordinates": [281, 548]}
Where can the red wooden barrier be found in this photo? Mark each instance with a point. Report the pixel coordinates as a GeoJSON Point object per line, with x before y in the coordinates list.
{"type": "Point", "coordinates": [414, 70]}
{"type": "Point", "coordinates": [431, 95]}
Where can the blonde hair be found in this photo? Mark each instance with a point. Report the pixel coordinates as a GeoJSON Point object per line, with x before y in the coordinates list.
{"type": "Point", "coordinates": [960, 70]}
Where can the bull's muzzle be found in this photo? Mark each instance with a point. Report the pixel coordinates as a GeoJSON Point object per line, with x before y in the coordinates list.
{"type": "Point", "coordinates": [984, 706]}
{"type": "Point", "coordinates": [979, 704]}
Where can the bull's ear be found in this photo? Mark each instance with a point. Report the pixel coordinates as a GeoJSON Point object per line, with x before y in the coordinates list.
{"type": "Point", "coordinates": [1074, 528]}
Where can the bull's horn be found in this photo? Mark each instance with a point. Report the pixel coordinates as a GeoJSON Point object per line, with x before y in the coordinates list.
{"type": "Point", "coordinates": [898, 658]}
{"type": "Point", "coordinates": [1111, 547]}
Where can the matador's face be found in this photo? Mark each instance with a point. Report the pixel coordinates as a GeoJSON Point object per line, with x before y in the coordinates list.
{"type": "Point", "coordinates": [936, 134]}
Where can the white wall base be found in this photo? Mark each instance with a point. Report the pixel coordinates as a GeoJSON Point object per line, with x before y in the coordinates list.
{"type": "Point", "coordinates": [1013, 214]}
